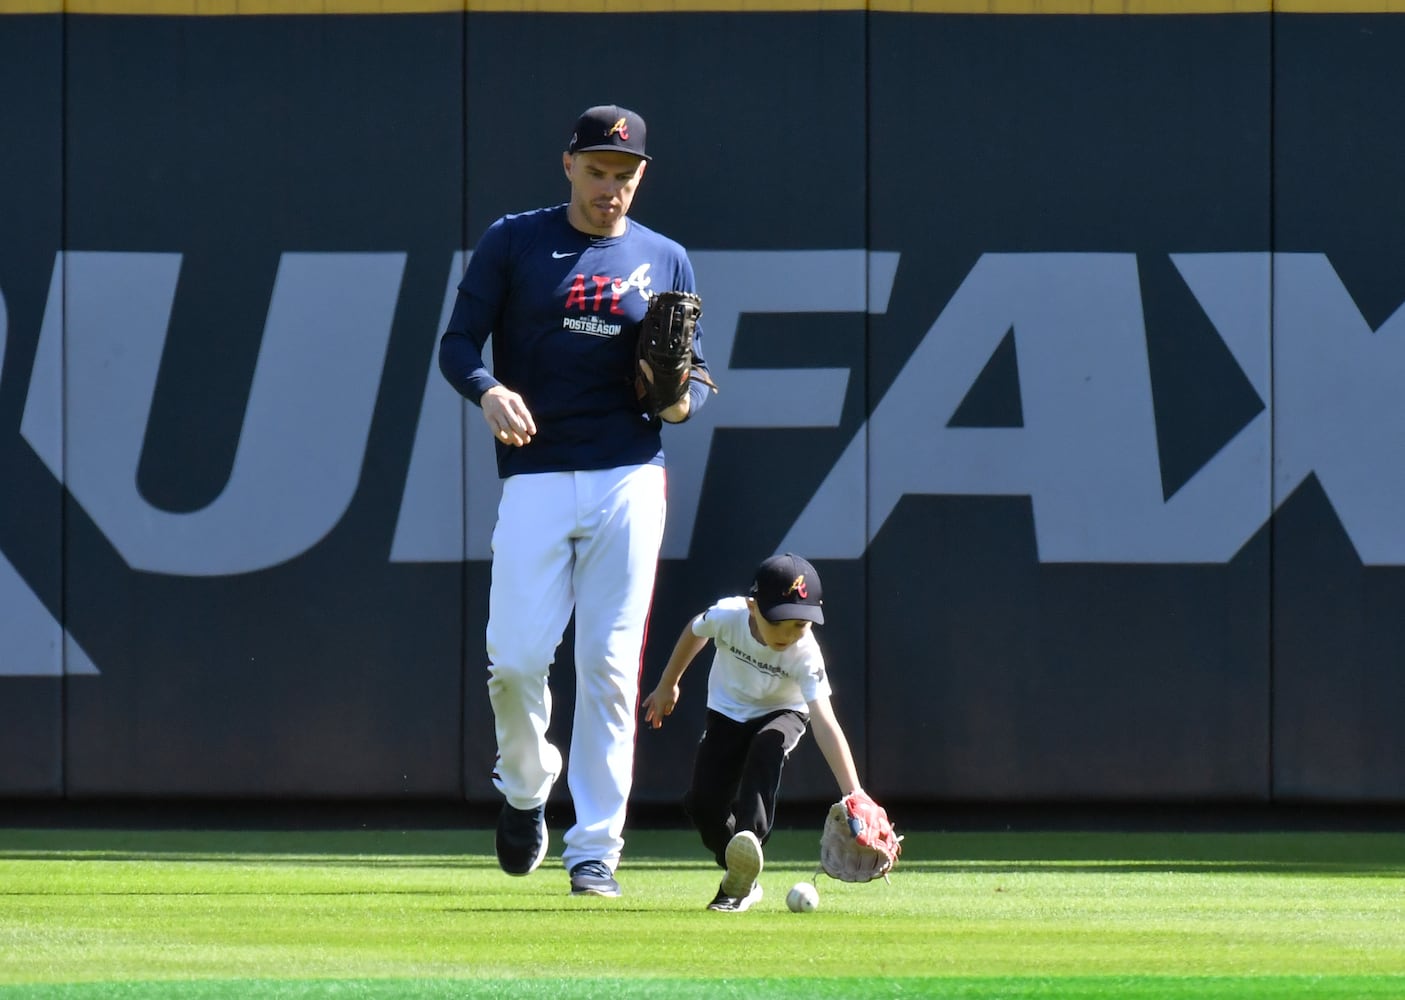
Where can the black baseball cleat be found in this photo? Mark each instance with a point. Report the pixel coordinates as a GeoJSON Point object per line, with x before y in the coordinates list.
{"type": "Point", "coordinates": [521, 841]}
{"type": "Point", "coordinates": [735, 904]}
{"type": "Point", "coordinates": [593, 878]}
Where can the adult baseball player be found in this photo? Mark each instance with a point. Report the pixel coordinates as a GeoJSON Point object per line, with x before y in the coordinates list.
{"type": "Point", "coordinates": [562, 291]}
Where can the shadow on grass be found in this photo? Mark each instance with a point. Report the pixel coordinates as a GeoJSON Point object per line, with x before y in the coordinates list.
{"type": "Point", "coordinates": [1366, 854]}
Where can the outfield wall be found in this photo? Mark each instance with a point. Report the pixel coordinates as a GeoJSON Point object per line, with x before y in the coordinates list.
{"type": "Point", "coordinates": [1063, 344]}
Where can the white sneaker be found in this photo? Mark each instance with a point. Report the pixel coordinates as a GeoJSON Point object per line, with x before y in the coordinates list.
{"type": "Point", "coordinates": [744, 863]}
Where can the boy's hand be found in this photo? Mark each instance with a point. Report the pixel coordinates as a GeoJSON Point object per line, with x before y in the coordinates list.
{"type": "Point", "coordinates": [660, 703]}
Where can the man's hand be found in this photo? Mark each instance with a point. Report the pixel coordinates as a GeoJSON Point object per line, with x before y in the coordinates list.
{"type": "Point", "coordinates": [507, 416]}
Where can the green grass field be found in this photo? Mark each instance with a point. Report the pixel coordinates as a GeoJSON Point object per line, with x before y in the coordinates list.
{"type": "Point", "coordinates": [425, 913]}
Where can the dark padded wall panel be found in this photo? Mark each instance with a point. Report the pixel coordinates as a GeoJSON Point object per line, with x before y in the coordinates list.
{"type": "Point", "coordinates": [1044, 641]}
{"type": "Point", "coordinates": [1339, 221]}
{"type": "Point", "coordinates": [271, 205]}
{"type": "Point", "coordinates": [31, 591]}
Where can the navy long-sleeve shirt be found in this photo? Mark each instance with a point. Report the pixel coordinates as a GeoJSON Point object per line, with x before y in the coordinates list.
{"type": "Point", "coordinates": [563, 309]}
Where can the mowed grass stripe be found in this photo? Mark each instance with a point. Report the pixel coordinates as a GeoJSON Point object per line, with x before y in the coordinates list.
{"type": "Point", "coordinates": [88, 913]}
{"type": "Point", "coordinates": [798, 988]}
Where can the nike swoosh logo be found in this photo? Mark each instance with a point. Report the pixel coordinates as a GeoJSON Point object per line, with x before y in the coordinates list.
{"type": "Point", "coordinates": [558, 255]}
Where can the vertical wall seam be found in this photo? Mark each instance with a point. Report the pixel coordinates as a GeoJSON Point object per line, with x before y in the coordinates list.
{"type": "Point", "coordinates": [1272, 409]}
{"type": "Point", "coordinates": [865, 387]}
{"type": "Point", "coordinates": [464, 563]}
{"type": "Point", "coordinates": [59, 262]}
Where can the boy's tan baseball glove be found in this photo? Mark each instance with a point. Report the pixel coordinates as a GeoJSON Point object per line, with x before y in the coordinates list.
{"type": "Point", "coordinates": [858, 843]}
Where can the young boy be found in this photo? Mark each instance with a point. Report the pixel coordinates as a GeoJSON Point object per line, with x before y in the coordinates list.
{"type": "Point", "coordinates": [766, 685]}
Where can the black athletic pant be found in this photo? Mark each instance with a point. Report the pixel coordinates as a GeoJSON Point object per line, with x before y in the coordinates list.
{"type": "Point", "coordinates": [737, 775]}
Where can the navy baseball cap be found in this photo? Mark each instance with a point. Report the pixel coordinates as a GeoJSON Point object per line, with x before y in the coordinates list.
{"type": "Point", "coordinates": [609, 127]}
{"type": "Point", "coordinates": [787, 587]}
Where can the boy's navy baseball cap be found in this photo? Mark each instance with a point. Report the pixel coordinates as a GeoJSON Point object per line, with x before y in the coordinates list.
{"type": "Point", "coordinates": [787, 587]}
{"type": "Point", "coordinates": [609, 127]}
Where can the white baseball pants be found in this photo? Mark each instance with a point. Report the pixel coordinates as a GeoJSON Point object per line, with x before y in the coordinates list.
{"type": "Point", "coordinates": [588, 541]}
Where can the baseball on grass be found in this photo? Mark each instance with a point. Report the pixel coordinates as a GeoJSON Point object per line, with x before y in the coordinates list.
{"type": "Point", "coordinates": [802, 897]}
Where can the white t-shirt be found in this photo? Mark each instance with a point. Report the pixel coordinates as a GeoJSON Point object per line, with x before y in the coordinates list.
{"type": "Point", "coordinates": [749, 679]}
